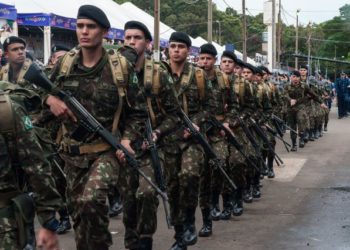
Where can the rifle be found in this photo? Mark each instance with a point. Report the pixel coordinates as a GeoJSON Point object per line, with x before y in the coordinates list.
{"type": "Point", "coordinates": [157, 168]}
{"type": "Point", "coordinates": [274, 117]}
{"type": "Point", "coordinates": [209, 151]}
{"type": "Point", "coordinates": [86, 120]}
{"type": "Point", "coordinates": [277, 133]}
{"type": "Point", "coordinates": [263, 136]}
{"type": "Point", "coordinates": [232, 140]}
{"type": "Point", "coordinates": [251, 138]}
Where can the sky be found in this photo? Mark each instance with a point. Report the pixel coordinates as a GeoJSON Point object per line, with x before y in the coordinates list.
{"type": "Point", "coordinates": [316, 11]}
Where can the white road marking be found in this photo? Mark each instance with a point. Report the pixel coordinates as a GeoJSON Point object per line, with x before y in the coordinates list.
{"type": "Point", "coordinates": [291, 168]}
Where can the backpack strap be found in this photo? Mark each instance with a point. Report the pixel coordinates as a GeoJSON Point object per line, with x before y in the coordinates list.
{"type": "Point", "coordinates": [119, 68]}
{"type": "Point", "coordinates": [23, 70]}
{"type": "Point", "coordinates": [5, 72]}
{"type": "Point", "coordinates": [67, 61]}
{"type": "Point", "coordinates": [150, 76]}
{"type": "Point", "coordinates": [200, 80]}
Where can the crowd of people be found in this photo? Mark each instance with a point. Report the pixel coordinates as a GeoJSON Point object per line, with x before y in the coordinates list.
{"type": "Point", "coordinates": [189, 133]}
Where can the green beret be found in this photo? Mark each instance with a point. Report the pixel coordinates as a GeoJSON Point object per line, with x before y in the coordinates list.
{"type": "Point", "coordinates": [208, 48]}
{"type": "Point", "coordinates": [11, 40]}
{"type": "Point", "coordinates": [139, 26]}
{"type": "Point", "coordinates": [180, 37]}
{"type": "Point", "coordinates": [94, 13]}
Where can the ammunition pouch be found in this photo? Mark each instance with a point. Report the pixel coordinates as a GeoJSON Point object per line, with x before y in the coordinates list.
{"type": "Point", "coordinates": [22, 209]}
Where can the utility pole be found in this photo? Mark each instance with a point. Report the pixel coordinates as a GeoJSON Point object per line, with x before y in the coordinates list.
{"type": "Point", "coordinates": [244, 32]}
{"type": "Point", "coordinates": [219, 30]}
{"type": "Point", "coordinates": [279, 35]}
{"type": "Point", "coordinates": [309, 48]}
{"type": "Point", "coordinates": [273, 34]}
{"type": "Point", "coordinates": [297, 39]}
{"type": "Point", "coordinates": [156, 50]}
{"type": "Point", "coordinates": [210, 21]}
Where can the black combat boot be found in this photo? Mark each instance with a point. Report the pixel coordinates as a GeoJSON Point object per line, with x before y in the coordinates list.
{"type": "Point", "coordinates": [301, 140]}
{"type": "Point", "coordinates": [312, 135]}
{"type": "Point", "coordinates": [206, 229]}
{"type": "Point", "coordinates": [320, 130]}
{"type": "Point", "coordinates": [294, 145]}
{"type": "Point", "coordinates": [325, 126]}
{"type": "Point", "coordinates": [189, 237]}
{"type": "Point", "coordinates": [64, 225]}
{"type": "Point", "coordinates": [115, 204]}
{"type": "Point", "coordinates": [271, 173]}
{"type": "Point", "coordinates": [306, 136]}
{"type": "Point", "coordinates": [248, 195]}
{"type": "Point", "coordinates": [228, 206]}
{"type": "Point", "coordinates": [256, 187]}
{"type": "Point", "coordinates": [316, 133]}
{"type": "Point", "coordinates": [215, 211]}
{"type": "Point", "coordinates": [145, 243]}
{"type": "Point", "coordinates": [178, 244]}
{"type": "Point", "coordinates": [238, 203]}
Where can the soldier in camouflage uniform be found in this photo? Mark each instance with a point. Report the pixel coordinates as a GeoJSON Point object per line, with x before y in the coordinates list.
{"type": "Point", "coordinates": [297, 95]}
{"type": "Point", "coordinates": [14, 71]}
{"type": "Point", "coordinates": [97, 79]}
{"type": "Point", "coordinates": [184, 158]}
{"type": "Point", "coordinates": [16, 133]}
{"type": "Point", "coordinates": [211, 182]}
{"type": "Point", "coordinates": [150, 95]}
{"type": "Point", "coordinates": [309, 108]}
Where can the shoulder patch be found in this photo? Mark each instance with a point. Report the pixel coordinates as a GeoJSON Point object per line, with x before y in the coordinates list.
{"type": "Point", "coordinates": [28, 125]}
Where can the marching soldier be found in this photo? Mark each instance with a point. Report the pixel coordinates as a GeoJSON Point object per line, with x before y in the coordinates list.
{"type": "Point", "coordinates": [150, 95]}
{"type": "Point", "coordinates": [17, 207]}
{"type": "Point", "coordinates": [297, 94]}
{"type": "Point", "coordinates": [97, 78]}
{"type": "Point", "coordinates": [184, 158]}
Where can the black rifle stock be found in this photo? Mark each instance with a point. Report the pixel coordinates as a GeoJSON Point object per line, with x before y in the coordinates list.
{"type": "Point", "coordinates": [252, 140]}
{"type": "Point", "coordinates": [275, 117]}
{"type": "Point", "coordinates": [157, 168]}
{"type": "Point", "coordinates": [206, 146]}
{"type": "Point", "coordinates": [263, 136]}
{"type": "Point", "coordinates": [232, 140]}
{"type": "Point", "coordinates": [86, 120]}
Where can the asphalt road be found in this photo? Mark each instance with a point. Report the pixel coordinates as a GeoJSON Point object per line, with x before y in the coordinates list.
{"type": "Point", "coordinates": [305, 207]}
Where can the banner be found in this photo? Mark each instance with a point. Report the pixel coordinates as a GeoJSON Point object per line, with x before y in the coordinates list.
{"type": "Point", "coordinates": [8, 12]}
{"type": "Point", "coordinates": [36, 19]}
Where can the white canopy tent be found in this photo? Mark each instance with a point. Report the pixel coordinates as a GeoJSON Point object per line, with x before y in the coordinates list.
{"type": "Point", "coordinates": [117, 14]}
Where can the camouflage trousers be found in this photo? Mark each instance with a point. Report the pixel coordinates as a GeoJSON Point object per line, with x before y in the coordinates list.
{"type": "Point", "coordinates": [239, 168]}
{"type": "Point", "coordinates": [211, 179]}
{"type": "Point", "coordinates": [298, 119]}
{"type": "Point", "coordinates": [89, 180]}
{"type": "Point", "coordinates": [311, 113]}
{"type": "Point", "coordinates": [8, 234]}
{"type": "Point", "coordinates": [182, 171]}
{"type": "Point", "coordinates": [140, 203]}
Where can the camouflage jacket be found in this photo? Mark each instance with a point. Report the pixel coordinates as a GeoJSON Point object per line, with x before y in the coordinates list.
{"type": "Point", "coordinates": [21, 152]}
{"type": "Point", "coordinates": [162, 103]}
{"type": "Point", "coordinates": [189, 98]}
{"type": "Point", "coordinates": [301, 93]}
{"type": "Point", "coordinates": [94, 88]}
